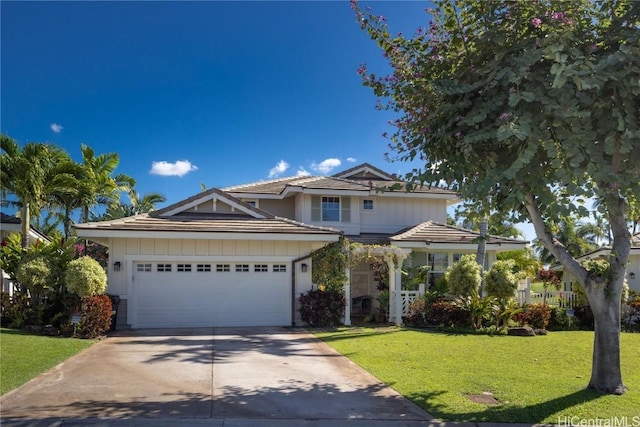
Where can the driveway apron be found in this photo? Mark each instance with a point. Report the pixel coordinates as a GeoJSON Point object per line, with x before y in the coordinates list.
{"type": "Point", "coordinates": [211, 373]}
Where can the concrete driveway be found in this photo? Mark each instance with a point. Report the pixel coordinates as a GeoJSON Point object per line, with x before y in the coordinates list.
{"type": "Point", "coordinates": [212, 376]}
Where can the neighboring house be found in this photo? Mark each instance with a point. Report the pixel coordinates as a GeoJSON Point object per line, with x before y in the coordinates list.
{"type": "Point", "coordinates": [633, 268]}
{"type": "Point", "coordinates": [242, 255]}
{"type": "Point", "coordinates": [9, 225]}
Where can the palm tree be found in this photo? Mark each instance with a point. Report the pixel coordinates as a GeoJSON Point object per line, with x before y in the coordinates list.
{"type": "Point", "coordinates": [99, 185]}
{"type": "Point", "coordinates": [578, 238]}
{"type": "Point", "coordinates": [136, 206]}
{"type": "Point", "coordinates": [31, 174]}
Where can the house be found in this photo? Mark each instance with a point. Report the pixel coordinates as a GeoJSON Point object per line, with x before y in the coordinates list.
{"type": "Point", "coordinates": [240, 256]}
{"type": "Point", "coordinates": [633, 268]}
{"type": "Point", "coordinates": [10, 224]}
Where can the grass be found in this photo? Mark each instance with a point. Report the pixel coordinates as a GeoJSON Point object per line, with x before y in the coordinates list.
{"type": "Point", "coordinates": [24, 356]}
{"type": "Point", "coordinates": [538, 379]}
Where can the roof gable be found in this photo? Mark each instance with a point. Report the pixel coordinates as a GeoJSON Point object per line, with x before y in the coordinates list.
{"type": "Point", "coordinates": [365, 171]}
{"type": "Point", "coordinates": [211, 203]}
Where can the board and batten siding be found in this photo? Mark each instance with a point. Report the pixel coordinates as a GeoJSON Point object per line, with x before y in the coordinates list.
{"type": "Point", "coordinates": [390, 214]}
{"type": "Point", "coordinates": [395, 213]}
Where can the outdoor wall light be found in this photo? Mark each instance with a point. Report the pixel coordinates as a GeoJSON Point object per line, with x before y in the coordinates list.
{"type": "Point", "coordinates": [632, 275]}
{"type": "Point", "coordinates": [116, 266]}
{"type": "Point", "coordinates": [304, 267]}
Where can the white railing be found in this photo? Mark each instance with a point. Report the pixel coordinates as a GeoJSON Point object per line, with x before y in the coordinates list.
{"type": "Point", "coordinates": [410, 296]}
{"type": "Point", "coordinates": [524, 295]}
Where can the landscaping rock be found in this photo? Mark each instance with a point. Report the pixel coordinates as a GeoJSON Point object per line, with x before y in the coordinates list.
{"type": "Point", "coordinates": [524, 331]}
{"type": "Point", "coordinates": [540, 331]}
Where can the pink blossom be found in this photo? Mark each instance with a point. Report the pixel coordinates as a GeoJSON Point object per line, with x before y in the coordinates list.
{"type": "Point", "coordinates": [458, 134]}
{"type": "Point", "coordinates": [536, 22]}
{"type": "Point", "coordinates": [504, 116]}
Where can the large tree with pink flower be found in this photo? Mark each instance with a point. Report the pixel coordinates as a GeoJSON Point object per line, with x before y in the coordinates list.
{"type": "Point", "coordinates": [531, 108]}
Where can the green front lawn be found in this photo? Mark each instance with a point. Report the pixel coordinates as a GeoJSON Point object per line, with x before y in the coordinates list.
{"type": "Point", "coordinates": [24, 356]}
{"type": "Point", "coordinates": [538, 379]}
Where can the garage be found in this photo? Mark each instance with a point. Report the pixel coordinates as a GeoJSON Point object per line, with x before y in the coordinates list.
{"type": "Point", "coordinates": [209, 260]}
{"type": "Point", "coordinates": [192, 294]}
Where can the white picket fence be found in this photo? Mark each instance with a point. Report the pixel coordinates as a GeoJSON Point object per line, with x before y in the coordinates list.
{"type": "Point", "coordinates": [410, 296]}
{"type": "Point", "coordinates": [524, 295]}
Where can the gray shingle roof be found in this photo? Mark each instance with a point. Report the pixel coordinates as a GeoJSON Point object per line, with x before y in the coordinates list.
{"type": "Point", "coordinates": [434, 232]}
{"type": "Point", "coordinates": [279, 186]}
{"type": "Point", "coordinates": [209, 223]}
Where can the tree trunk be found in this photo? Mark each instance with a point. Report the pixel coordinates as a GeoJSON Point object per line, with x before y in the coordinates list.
{"type": "Point", "coordinates": [25, 224]}
{"type": "Point", "coordinates": [606, 376]}
{"type": "Point", "coordinates": [604, 294]}
{"type": "Point", "coordinates": [482, 250]}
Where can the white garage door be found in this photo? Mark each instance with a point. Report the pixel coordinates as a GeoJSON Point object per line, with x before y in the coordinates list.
{"type": "Point", "coordinates": [183, 294]}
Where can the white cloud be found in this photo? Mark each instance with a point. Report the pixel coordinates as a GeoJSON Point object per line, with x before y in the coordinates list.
{"type": "Point", "coordinates": [302, 172]}
{"type": "Point", "coordinates": [179, 168]}
{"type": "Point", "coordinates": [326, 165]}
{"type": "Point", "coordinates": [351, 159]}
{"type": "Point", "coordinates": [278, 169]}
{"type": "Point", "coordinates": [56, 127]}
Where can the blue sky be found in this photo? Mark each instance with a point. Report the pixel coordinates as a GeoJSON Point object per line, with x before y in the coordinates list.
{"type": "Point", "coordinates": [218, 93]}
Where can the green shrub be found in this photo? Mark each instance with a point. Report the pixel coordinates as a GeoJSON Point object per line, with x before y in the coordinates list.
{"type": "Point", "coordinates": [464, 277]}
{"type": "Point", "coordinates": [479, 309]}
{"type": "Point", "coordinates": [561, 321]}
{"type": "Point", "coordinates": [95, 316]}
{"type": "Point", "coordinates": [584, 315]}
{"type": "Point", "coordinates": [500, 282]}
{"type": "Point", "coordinates": [86, 277]}
{"type": "Point", "coordinates": [35, 275]}
{"type": "Point", "coordinates": [322, 308]}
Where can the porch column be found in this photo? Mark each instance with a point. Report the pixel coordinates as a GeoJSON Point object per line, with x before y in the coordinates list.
{"type": "Point", "coordinates": [347, 297]}
{"type": "Point", "coordinates": [398, 280]}
{"type": "Point", "coordinates": [395, 284]}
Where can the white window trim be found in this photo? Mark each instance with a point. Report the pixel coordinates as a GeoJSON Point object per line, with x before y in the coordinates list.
{"type": "Point", "coordinates": [339, 209]}
{"type": "Point", "coordinates": [363, 210]}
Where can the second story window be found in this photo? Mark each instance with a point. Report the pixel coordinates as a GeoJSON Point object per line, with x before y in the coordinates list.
{"type": "Point", "coordinates": [367, 205]}
{"type": "Point", "coordinates": [330, 208]}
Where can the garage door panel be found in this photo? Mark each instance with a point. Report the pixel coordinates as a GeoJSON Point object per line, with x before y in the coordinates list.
{"type": "Point", "coordinates": [212, 298]}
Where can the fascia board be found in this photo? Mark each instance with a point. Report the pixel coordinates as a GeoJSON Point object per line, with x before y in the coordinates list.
{"type": "Point", "coordinates": [458, 246]}
{"type": "Point", "coordinates": [203, 235]}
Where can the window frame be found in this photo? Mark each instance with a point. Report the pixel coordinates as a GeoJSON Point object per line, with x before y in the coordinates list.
{"type": "Point", "coordinates": [335, 200]}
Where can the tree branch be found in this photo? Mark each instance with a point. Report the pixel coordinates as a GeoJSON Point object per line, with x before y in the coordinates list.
{"type": "Point", "coordinates": [556, 248]}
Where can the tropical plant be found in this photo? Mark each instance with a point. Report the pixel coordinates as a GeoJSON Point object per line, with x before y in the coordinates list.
{"type": "Point", "coordinates": [329, 265]}
{"type": "Point", "coordinates": [464, 277]}
{"type": "Point", "coordinates": [100, 186]}
{"type": "Point", "coordinates": [33, 173]}
{"type": "Point", "coordinates": [578, 238]}
{"type": "Point", "coordinates": [137, 205]}
{"type": "Point", "coordinates": [500, 282]}
{"type": "Point", "coordinates": [86, 277]}
{"type": "Point", "coordinates": [479, 309]}
{"type": "Point", "coordinates": [531, 109]}
{"type": "Point", "coordinates": [524, 262]}
{"type": "Point", "coordinates": [322, 308]}
{"type": "Point", "coordinates": [549, 279]}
